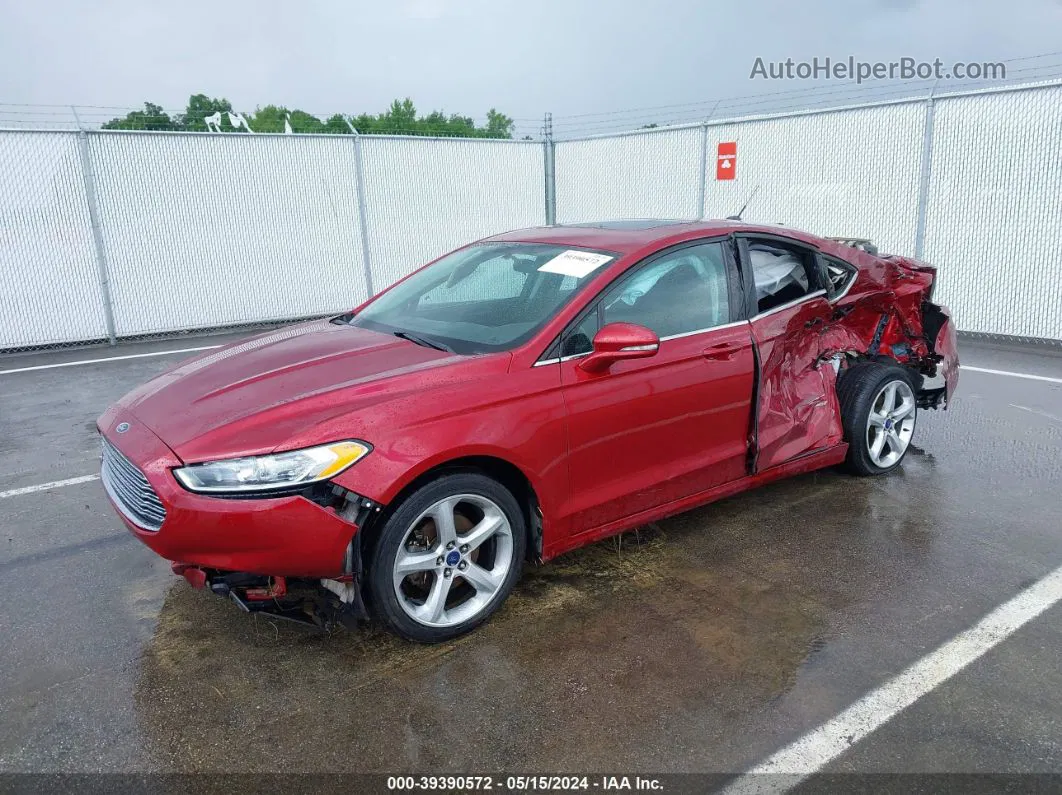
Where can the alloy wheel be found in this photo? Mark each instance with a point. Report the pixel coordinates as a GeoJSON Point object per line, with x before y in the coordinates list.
{"type": "Point", "coordinates": [453, 560]}
{"type": "Point", "coordinates": [891, 423]}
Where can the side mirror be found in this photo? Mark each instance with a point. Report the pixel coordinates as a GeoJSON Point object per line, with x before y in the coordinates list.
{"type": "Point", "coordinates": [618, 341]}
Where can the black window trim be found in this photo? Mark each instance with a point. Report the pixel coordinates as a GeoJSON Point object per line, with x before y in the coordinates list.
{"type": "Point", "coordinates": [737, 311]}
{"type": "Point", "coordinates": [853, 273]}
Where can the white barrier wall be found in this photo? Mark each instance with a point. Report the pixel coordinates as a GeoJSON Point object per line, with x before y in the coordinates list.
{"type": "Point", "coordinates": [642, 175]}
{"type": "Point", "coordinates": [991, 201]}
{"type": "Point", "coordinates": [850, 173]}
{"type": "Point", "coordinates": [212, 230]}
{"type": "Point", "coordinates": [994, 221]}
{"type": "Point", "coordinates": [425, 197]}
{"type": "Point", "coordinates": [199, 230]}
{"type": "Point", "coordinates": [49, 280]}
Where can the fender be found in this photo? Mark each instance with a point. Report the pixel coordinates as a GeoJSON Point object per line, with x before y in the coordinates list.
{"type": "Point", "coordinates": [392, 476]}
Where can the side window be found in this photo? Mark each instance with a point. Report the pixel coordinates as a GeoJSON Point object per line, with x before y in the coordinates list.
{"type": "Point", "coordinates": [492, 280]}
{"type": "Point", "coordinates": [781, 273]}
{"type": "Point", "coordinates": [580, 338]}
{"type": "Point", "coordinates": [839, 275]}
{"type": "Point", "coordinates": [681, 292]}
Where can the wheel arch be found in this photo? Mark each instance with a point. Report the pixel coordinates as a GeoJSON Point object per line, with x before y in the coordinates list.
{"type": "Point", "coordinates": [851, 359]}
{"type": "Point", "coordinates": [500, 469]}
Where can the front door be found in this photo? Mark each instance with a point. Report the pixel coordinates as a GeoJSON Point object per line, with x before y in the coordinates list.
{"type": "Point", "coordinates": [650, 431]}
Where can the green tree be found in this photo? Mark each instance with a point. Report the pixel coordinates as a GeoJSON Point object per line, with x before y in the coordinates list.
{"type": "Point", "coordinates": [364, 123]}
{"type": "Point", "coordinates": [399, 119]}
{"type": "Point", "coordinates": [336, 124]}
{"type": "Point", "coordinates": [302, 122]}
{"type": "Point", "coordinates": [200, 106]}
{"type": "Point", "coordinates": [498, 125]}
{"type": "Point", "coordinates": [152, 117]}
{"type": "Point", "coordinates": [269, 119]}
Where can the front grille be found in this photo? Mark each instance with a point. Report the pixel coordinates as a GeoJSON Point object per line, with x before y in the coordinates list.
{"type": "Point", "coordinates": [130, 490]}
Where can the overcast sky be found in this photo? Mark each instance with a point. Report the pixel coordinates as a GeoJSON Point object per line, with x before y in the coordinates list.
{"type": "Point", "coordinates": [568, 57]}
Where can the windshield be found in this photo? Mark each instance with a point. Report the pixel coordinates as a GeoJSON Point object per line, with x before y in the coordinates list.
{"type": "Point", "coordinates": [486, 297]}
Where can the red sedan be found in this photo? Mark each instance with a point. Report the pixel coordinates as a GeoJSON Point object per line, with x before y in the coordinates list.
{"type": "Point", "coordinates": [515, 399]}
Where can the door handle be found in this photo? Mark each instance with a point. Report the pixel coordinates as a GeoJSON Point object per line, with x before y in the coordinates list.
{"type": "Point", "coordinates": [719, 351]}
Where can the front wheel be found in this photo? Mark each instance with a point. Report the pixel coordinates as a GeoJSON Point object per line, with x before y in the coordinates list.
{"type": "Point", "coordinates": [879, 411]}
{"type": "Point", "coordinates": [447, 557]}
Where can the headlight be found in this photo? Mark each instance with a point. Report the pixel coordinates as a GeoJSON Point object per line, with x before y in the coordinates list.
{"type": "Point", "coordinates": [270, 472]}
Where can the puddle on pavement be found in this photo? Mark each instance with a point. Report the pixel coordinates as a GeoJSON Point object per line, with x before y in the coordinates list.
{"type": "Point", "coordinates": [628, 653]}
{"type": "Point", "coordinates": [589, 654]}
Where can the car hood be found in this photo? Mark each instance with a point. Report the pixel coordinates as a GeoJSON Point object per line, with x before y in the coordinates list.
{"type": "Point", "coordinates": [249, 397]}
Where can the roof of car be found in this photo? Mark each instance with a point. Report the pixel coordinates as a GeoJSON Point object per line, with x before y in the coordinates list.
{"type": "Point", "coordinates": [623, 236]}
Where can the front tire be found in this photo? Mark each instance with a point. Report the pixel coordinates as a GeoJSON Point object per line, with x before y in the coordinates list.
{"type": "Point", "coordinates": [879, 411]}
{"type": "Point", "coordinates": [447, 557]}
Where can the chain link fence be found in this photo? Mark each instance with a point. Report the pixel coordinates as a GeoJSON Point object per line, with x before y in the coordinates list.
{"type": "Point", "coordinates": [426, 197]}
{"type": "Point", "coordinates": [50, 287]}
{"type": "Point", "coordinates": [994, 211]}
{"type": "Point", "coordinates": [852, 173]}
{"type": "Point", "coordinates": [209, 231]}
{"type": "Point", "coordinates": [641, 175]}
{"type": "Point", "coordinates": [114, 234]}
{"type": "Point", "coordinates": [970, 182]}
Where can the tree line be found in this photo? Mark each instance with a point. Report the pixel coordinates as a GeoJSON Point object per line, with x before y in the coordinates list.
{"type": "Point", "coordinates": [400, 119]}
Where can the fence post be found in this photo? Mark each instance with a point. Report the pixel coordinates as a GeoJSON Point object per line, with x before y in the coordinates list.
{"type": "Point", "coordinates": [704, 168]}
{"type": "Point", "coordinates": [88, 178]}
{"type": "Point", "coordinates": [924, 176]}
{"type": "Point", "coordinates": [549, 154]}
{"type": "Point", "coordinates": [363, 219]}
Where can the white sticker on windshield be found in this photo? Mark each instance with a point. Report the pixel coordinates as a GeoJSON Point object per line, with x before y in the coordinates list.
{"type": "Point", "coordinates": [575, 263]}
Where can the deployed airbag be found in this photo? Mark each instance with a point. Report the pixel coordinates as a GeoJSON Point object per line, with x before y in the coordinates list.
{"type": "Point", "coordinates": [774, 270]}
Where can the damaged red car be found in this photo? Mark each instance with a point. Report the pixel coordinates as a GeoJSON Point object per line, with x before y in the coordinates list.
{"type": "Point", "coordinates": [520, 397]}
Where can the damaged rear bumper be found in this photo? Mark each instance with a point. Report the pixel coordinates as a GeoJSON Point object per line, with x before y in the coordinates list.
{"type": "Point", "coordinates": [938, 388]}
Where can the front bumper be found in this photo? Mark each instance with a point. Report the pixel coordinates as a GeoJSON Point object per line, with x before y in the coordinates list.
{"type": "Point", "coordinates": [276, 536]}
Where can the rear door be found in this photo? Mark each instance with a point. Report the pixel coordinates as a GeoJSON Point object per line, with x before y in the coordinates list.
{"type": "Point", "coordinates": [796, 411]}
{"type": "Point", "coordinates": [650, 431]}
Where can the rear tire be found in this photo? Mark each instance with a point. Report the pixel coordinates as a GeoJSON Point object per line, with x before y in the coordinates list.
{"type": "Point", "coordinates": [447, 557]}
{"type": "Point", "coordinates": [879, 412]}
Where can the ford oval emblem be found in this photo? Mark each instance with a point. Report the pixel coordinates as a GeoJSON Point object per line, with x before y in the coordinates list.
{"type": "Point", "coordinates": [121, 427]}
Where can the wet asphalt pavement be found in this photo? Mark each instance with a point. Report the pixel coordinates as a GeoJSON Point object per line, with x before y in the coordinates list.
{"type": "Point", "coordinates": [704, 643]}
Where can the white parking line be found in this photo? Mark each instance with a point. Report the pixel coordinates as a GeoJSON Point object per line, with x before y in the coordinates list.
{"type": "Point", "coordinates": [55, 484]}
{"type": "Point", "coordinates": [812, 752]}
{"type": "Point", "coordinates": [1029, 376]}
{"type": "Point", "coordinates": [108, 359]}
{"type": "Point", "coordinates": [1038, 413]}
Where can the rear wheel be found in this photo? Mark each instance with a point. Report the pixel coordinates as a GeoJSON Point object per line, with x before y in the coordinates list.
{"type": "Point", "coordinates": [447, 557]}
{"type": "Point", "coordinates": [879, 412]}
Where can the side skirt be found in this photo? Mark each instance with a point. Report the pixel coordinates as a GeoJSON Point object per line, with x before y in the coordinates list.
{"type": "Point", "coordinates": [797, 466]}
